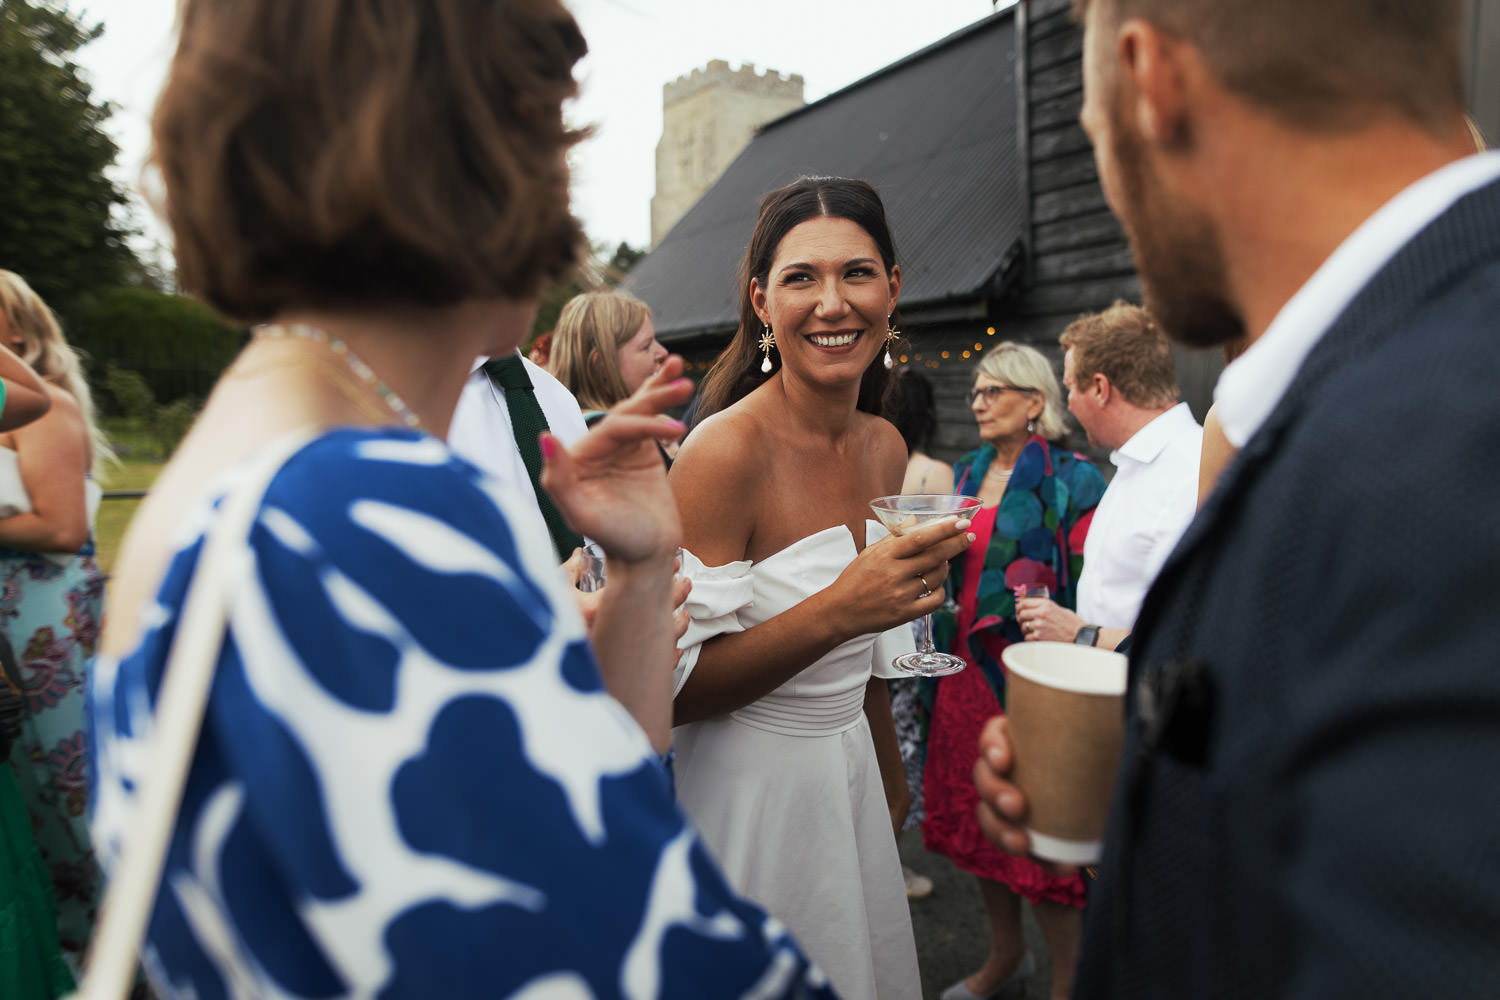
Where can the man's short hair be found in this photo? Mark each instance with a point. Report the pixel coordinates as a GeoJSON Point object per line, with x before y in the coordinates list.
{"type": "Point", "coordinates": [1321, 64]}
{"type": "Point", "coordinates": [1126, 345]}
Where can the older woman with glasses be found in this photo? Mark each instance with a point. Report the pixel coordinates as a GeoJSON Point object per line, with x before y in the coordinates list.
{"type": "Point", "coordinates": [1038, 502]}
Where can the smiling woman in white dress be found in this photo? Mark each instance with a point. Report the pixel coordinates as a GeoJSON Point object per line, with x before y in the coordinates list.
{"type": "Point", "coordinates": [786, 755]}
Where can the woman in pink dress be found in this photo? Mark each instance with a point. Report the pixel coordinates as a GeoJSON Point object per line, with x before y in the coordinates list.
{"type": "Point", "coordinates": [1038, 502]}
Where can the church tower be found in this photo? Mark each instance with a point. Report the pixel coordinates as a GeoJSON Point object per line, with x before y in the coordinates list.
{"type": "Point", "coordinates": [708, 117]}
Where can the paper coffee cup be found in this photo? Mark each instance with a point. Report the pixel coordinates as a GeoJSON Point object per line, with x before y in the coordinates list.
{"type": "Point", "coordinates": [1066, 728]}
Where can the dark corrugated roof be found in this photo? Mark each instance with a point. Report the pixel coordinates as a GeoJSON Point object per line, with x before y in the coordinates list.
{"type": "Point", "coordinates": [934, 132]}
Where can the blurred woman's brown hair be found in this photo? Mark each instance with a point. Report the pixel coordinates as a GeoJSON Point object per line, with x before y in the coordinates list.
{"type": "Point", "coordinates": [411, 202]}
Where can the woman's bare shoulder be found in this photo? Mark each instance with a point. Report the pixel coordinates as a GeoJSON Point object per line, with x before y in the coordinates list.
{"type": "Point", "coordinates": [728, 446]}
{"type": "Point", "coordinates": [717, 478]}
{"type": "Point", "coordinates": [883, 443]}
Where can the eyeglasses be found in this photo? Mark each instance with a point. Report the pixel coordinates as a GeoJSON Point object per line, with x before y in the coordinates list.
{"type": "Point", "coordinates": [991, 393]}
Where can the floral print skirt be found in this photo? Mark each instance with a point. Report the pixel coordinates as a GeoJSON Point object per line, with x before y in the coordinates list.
{"type": "Point", "coordinates": [50, 612]}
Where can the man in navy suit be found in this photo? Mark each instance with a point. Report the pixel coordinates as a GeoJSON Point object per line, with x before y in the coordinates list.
{"type": "Point", "coordinates": [1307, 804]}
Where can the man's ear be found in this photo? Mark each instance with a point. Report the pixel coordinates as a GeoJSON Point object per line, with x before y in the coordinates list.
{"type": "Point", "coordinates": [1101, 383]}
{"type": "Point", "coordinates": [1151, 66]}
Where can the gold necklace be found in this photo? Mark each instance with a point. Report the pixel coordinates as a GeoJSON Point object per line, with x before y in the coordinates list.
{"type": "Point", "coordinates": [352, 364]}
{"type": "Point", "coordinates": [338, 377]}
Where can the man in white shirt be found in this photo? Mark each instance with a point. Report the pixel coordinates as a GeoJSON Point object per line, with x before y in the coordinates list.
{"type": "Point", "coordinates": [1122, 387]}
{"type": "Point", "coordinates": [481, 429]}
{"type": "Point", "coordinates": [1304, 806]}
{"type": "Point", "coordinates": [482, 432]}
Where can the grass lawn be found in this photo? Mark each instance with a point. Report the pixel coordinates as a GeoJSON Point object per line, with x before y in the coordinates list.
{"type": "Point", "coordinates": [114, 515]}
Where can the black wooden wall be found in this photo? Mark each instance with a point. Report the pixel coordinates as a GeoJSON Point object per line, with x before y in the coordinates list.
{"type": "Point", "coordinates": [1077, 258]}
{"type": "Point", "coordinates": [1075, 255]}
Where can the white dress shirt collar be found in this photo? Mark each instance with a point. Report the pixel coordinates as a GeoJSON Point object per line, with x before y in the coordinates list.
{"type": "Point", "coordinates": [1251, 387]}
{"type": "Point", "coordinates": [1145, 444]}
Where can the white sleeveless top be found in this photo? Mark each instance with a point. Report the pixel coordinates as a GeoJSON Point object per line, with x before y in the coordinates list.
{"type": "Point", "coordinates": [15, 500]}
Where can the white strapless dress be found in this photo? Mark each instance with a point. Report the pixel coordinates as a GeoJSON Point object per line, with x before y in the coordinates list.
{"type": "Point", "coordinates": [786, 791]}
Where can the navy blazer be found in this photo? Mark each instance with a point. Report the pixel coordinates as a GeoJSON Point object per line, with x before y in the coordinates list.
{"type": "Point", "coordinates": [1309, 800]}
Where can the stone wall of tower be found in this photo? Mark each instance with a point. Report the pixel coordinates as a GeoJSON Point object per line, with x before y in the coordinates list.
{"type": "Point", "coordinates": [708, 117]}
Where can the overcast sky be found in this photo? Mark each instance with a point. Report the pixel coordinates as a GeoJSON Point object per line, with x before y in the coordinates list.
{"type": "Point", "coordinates": [636, 46]}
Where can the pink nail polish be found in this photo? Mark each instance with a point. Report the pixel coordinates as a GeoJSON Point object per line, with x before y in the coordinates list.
{"type": "Point", "coordinates": [549, 446]}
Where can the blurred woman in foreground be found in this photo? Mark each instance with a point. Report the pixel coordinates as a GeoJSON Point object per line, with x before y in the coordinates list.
{"type": "Point", "coordinates": [51, 599]}
{"type": "Point", "coordinates": [411, 781]}
{"type": "Point", "coordinates": [32, 966]}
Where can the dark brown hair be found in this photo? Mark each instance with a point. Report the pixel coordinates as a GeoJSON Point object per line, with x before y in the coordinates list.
{"type": "Point", "coordinates": [1127, 346]}
{"type": "Point", "coordinates": [737, 369]}
{"type": "Point", "coordinates": [345, 152]}
{"type": "Point", "coordinates": [1320, 64]}
{"type": "Point", "coordinates": [909, 405]}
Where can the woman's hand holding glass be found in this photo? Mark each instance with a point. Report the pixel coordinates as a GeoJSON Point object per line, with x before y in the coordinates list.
{"type": "Point", "coordinates": [899, 578]}
{"type": "Point", "coordinates": [1044, 620]}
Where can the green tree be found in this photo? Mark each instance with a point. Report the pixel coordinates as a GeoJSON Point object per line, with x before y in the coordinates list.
{"type": "Point", "coordinates": [59, 214]}
{"type": "Point", "coordinates": [178, 346]}
{"type": "Point", "coordinates": [625, 257]}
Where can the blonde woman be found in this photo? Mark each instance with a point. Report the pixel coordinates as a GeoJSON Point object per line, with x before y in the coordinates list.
{"type": "Point", "coordinates": [1038, 503]}
{"type": "Point", "coordinates": [52, 598]}
{"type": "Point", "coordinates": [603, 348]}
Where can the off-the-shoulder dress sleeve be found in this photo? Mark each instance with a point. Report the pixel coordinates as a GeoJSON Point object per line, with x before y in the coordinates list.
{"type": "Point", "coordinates": [713, 606]}
{"type": "Point", "coordinates": [411, 782]}
{"type": "Point", "coordinates": [720, 593]}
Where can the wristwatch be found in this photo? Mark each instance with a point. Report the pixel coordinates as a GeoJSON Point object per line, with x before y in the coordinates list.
{"type": "Point", "coordinates": [1087, 636]}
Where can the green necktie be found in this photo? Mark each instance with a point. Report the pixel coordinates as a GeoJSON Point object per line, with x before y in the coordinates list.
{"type": "Point", "coordinates": [527, 422]}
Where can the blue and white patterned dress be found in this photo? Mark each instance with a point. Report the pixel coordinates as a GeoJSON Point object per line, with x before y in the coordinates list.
{"type": "Point", "coordinates": [410, 781]}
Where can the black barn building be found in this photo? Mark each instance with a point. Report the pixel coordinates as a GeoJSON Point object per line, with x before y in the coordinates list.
{"type": "Point", "coordinates": [1001, 228]}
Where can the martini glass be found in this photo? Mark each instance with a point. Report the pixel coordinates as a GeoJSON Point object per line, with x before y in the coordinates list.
{"type": "Point", "coordinates": [900, 514]}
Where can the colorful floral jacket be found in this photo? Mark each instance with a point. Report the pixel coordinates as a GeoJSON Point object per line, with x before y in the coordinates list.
{"type": "Point", "coordinates": [1038, 538]}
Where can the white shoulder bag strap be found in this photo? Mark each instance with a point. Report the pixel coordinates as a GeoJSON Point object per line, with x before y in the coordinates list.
{"type": "Point", "coordinates": [131, 892]}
